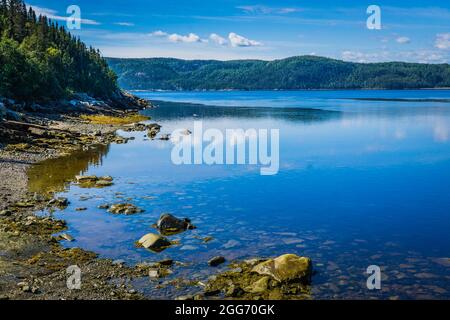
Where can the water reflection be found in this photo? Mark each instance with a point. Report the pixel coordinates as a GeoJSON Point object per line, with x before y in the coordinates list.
{"type": "Point", "coordinates": [54, 175]}
{"type": "Point", "coordinates": [171, 111]}
{"type": "Point", "coordinates": [354, 189]}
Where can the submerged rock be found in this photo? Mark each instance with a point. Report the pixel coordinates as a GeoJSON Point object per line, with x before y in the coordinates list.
{"type": "Point", "coordinates": [285, 268]}
{"type": "Point", "coordinates": [94, 181]}
{"type": "Point", "coordinates": [285, 277]}
{"type": "Point", "coordinates": [154, 242]}
{"type": "Point", "coordinates": [168, 224]}
{"type": "Point", "coordinates": [164, 137]}
{"type": "Point", "coordinates": [124, 208]}
{"type": "Point", "coordinates": [60, 203]}
{"type": "Point", "coordinates": [216, 261]}
{"type": "Point", "coordinates": [186, 132]}
{"type": "Point", "coordinates": [66, 237]}
{"type": "Point", "coordinates": [259, 286]}
{"type": "Point", "coordinates": [153, 130]}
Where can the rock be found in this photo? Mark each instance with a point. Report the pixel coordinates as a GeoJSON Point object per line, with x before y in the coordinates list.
{"type": "Point", "coordinates": [103, 183]}
{"type": "Point", "coordinates": [186, 132]}
{"type": "Point", "coordinates": [103, 206]}
{"type": "Point", "coordinates": [231, 244]}
{"type": "Point", "coordinates": [154, 273]}
{"type": "Point", "coordinates": [442, 261]}
{"type": "Point", "coordinates": [154, 242]}
{"type": "Point", "coordinates": [166, 262]}
{"type": "Point", "coordinates": [184, 298]}
{"type": "Point", "coordinates": [153, 130]}
{"type": "Point", "coordinates": [13, 115]}
{"type": "Point", "coordinates": [5, 213]}
{"type": "Point", "coordinates": [164, 137]}
{"type": "Point", "coordinates": [259, 286]}
{"type": "Point", "coordinates": [60, 203]}
{"type": "Point", "coordinates": [286, 268]}
{"type": "Point", "coordinates": [207, 239]}
{"type": "Point", "coordinates": [24, 286]}
{"type": "Point", "coordinates": [124, 208]}
{"type": "Point", "coordinates": [234, 291]}
{"type": "Point", "coordinates": [2, 111]}
{"type": "Point", "coordinates": [216, 261]}
{"type": "Point", "coordinates": [84, 179]}
{"type": "Point", "coordinates": [94, 181]}
{"type": "Point", "coordinates": [66, 237]}
{"type": "Point", "coordinates": [118, 262]}
{"type": "Point", "coordinates": [168, 224]}
{"type": "Point", "coordinates": [81, 209]}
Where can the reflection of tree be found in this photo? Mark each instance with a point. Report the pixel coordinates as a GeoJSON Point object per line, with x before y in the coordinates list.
{"type": "Point", "coordinates": [177, 110]}
{"type": "Point", "coordinates": [54, 174]}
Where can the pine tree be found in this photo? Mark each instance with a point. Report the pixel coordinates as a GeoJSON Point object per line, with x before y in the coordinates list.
{"type": "Point", "coordinates": [41, 60]}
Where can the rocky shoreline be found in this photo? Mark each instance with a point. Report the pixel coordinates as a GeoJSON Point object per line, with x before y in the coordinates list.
{"type": "Point", "coordinates": [33, 263]}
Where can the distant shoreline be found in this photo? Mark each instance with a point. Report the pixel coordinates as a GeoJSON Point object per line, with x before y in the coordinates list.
{"type": "Point", "coordinates": [286, 90]}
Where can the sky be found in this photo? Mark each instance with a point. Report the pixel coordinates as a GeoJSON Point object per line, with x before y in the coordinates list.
{"type": "Point", "coordinates": [410, 30]}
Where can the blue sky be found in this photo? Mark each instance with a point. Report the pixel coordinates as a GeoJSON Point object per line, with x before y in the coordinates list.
{"type": "Point", "coordinates": [413, 30]}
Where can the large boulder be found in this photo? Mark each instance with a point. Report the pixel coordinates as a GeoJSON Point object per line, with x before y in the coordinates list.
{"type": "Point", "coordinates": [168, 224]}
{"type": "Point", "coordinates": [154, 242]}
{"type": "Point", "coordinates": [286, 268]}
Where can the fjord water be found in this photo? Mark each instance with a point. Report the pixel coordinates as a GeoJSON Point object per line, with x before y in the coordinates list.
{"type": "Point", "coordinates": [361, 182]}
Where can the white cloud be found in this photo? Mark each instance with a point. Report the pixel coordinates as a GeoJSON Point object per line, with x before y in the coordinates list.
{"type": "Point", "coordinates": [191, 37]}
{"type": "Point", "coordinates": [239, 41]}
{"type": "Point", "coordinates": [442, 41]}
{"type": "Point", "coordinates": [159, 33]}
{"type": "Point", "coordinates": [53, 14]}
{"type": "Point", "coordinates": [259, 9]}
{"type": "Point", "coordinates": [403, 40]}
{"type": "Point", "coordinates": [125, 24]}
{"type": "Point", "coordinates": [421, 56]}
{"type": "Point", "coordinates": [217, 39]}
{"type": "Point", "coordinates": [362, 57]}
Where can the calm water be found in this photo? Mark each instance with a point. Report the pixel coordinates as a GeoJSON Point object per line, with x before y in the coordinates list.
{"type": "Point", "coordinates": [360, 183]}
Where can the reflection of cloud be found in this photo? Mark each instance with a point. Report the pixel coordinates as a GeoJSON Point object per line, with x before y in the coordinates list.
{"type": "Point", "coordinates": [400, 134]}
{"type": "Point", "coordinates": [375, 148]}
{"type": "Point", "coordinates": [441, 132]}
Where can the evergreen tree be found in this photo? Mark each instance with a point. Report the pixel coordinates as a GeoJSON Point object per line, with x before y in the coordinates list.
{"type": "Point", "coordinates": [40, 60]}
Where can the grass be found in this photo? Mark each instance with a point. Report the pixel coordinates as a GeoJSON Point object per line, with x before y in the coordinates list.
{"type": "Point", "coordinates": [101, 119]}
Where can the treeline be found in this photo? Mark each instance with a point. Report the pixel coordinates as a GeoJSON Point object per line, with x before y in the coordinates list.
{"type": "Point", "coordinates": [40, 60]}
{"type": "Point", "coordinates": [305, 72]}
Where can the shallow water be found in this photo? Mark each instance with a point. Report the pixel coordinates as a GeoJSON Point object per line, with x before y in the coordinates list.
{"type": "Point", "coordinates": [360, 183]}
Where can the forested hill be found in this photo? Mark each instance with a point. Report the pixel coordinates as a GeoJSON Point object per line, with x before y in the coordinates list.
{"type": "Point", "coordinates": [304, 72]}
{"type": "Point", "coordinates": [41, 60]}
